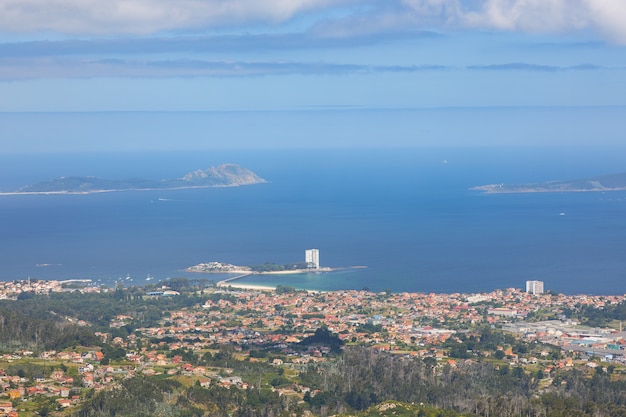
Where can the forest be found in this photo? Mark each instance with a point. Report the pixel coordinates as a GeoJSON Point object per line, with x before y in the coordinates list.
{"type": "Point", "coordinates": [360, 379]}
{"type": "Point", "coordinates": [50, 321]}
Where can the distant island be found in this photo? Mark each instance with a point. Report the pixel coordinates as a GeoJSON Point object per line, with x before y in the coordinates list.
{"type": "Point", "coordinates": [225, 175]}
{"type": "Point", "coordinates": [612, 182]}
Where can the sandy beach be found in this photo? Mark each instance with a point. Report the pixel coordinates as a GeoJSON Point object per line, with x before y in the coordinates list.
{"type": "Point", "coordinates": [232, 282]}
{"type": "Point", "coordinates": [246, 286]}
{"type": "Point", "coordinates": [298, 271]}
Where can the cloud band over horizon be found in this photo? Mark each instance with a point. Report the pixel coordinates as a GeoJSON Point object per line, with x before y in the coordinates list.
{"type": "Point", "coordinates": [285, 54]}
{"type": "Point", "coordinates": [330, 18]}
{"type": "Point", "coordinates": [51, 68]}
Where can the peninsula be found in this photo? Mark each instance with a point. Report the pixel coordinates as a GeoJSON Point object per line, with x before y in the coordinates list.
{"type": "Point", "coordinates": [612, 182]}
{"type": "Point", "coordinates": [225, 175]}
{"type": "Point", "coordinates": [267, 268]}
{"type": "Point", "coordinates": [239, 272]}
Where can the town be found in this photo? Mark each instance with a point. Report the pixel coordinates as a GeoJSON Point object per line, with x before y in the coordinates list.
{"type": "Point", "coordinates": [428, 327]}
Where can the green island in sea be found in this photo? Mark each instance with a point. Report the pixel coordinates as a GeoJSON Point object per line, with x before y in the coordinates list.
{"type": "Point", "coordinates": [612, 182]}
{"type": "Point", "coordinates": [225, 175]}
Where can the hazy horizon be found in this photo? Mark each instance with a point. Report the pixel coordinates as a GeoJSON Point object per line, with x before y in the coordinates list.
{"type": "Point", "coordinates": [591, 126]}
{"type": "Point", "coordinates": [307, 74]}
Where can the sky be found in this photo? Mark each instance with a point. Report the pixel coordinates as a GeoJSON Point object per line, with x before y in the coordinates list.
{"type": "Point", "coordinates": [324, 57]}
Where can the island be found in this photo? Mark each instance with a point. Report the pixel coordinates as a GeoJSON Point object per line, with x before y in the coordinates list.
{"type": "Point", "coordinates": [612, 182]}
{"type": "Point", "coordinates": [225, 175]}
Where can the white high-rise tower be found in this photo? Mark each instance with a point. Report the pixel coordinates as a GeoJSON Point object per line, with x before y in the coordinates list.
{"type": "Point", "coordinates": [534, 287]}
{"type": "Point", "coordinates": [312, 258]}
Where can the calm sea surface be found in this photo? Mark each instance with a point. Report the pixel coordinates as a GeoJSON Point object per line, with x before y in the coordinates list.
{"type": "Point", "coordinates": [405, 214]}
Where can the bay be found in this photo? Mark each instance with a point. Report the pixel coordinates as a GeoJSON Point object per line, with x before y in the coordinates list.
{"type": "Point", "coordinates": [406, 214]}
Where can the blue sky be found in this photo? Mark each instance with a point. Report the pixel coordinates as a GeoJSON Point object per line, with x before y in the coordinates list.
{"type": "Point", "coordinates": [310, 56]}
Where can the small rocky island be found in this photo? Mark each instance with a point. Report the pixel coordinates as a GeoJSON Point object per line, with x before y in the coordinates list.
{"type": "Point", "coordinates": [225, 175]}
{"type": "Point", "coordinates": [613, 182]}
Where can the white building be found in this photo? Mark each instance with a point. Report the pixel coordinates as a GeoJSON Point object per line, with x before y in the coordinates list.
{"type": "Point", "coordinates": [312, 258]}
{"type": "Point", "coordinates": [534, 287]}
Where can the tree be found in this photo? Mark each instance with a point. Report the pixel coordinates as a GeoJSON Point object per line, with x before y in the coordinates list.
{"type": "Point", "coordinates": [324, 336]}
{"type": "Point", "coordinates": [430, 362]}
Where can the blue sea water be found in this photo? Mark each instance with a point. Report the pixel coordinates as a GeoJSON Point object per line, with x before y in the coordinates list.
{"type": "Point", "coordinates": [406, 214]}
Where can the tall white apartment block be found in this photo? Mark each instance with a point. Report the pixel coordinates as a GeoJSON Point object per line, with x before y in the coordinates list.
{"type": "Point", "coordinates": [534, 287]}
{"type": "Point", "coordinates": [312, 258]}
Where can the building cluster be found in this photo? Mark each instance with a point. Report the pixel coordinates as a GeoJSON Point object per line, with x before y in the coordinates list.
{"type": "Point", "coordinates": [218, 267]}
{"type": "Point", "coordinates": [416, 324]}
{"type": "Point", "coordinates": [387, 321]}
{"type": "Point", "coordinates": [10, 290]}
{"type": "Point", "coordinates": [604, 343]}
{"type": "Point", "coordinates": [64, 385]}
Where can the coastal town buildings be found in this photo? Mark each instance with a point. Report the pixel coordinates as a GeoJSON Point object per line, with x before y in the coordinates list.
{"type": "Point", "coordinates": [420, 325]}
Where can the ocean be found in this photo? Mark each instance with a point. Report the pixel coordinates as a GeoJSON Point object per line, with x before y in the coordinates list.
{"type": "Point", "coordinates": [405, 214]}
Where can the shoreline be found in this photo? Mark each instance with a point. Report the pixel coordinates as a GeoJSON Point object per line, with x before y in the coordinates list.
{"type": "Point", "coordinates": [252, 287]}
{"type": "Point", "coordinates": [498, 189]}
{"type": "Point", "coordinates": [269, 287]}
{"type": "Point", "coordinates": [229, 282]}
{"type": "Point", "coordinates": [297, 271]}
{"type": "Point", "coordinates": [61, 192]}
{"type": "Point", "coordinates": [284, 272]}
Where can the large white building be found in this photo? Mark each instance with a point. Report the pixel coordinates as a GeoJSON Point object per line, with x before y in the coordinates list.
{"type": "Point", "coordinates": [312, 258]}
{"type": "Point", "coordinates": [534, 287]}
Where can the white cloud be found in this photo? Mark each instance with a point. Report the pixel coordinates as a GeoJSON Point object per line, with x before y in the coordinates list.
{"type": "Point", "coordinates": [447, 11]}
{"type": "Point", "coordinates": [145, 16]}
{"type": "Point", "coordinates": [351, 17]}
{"type": "Point", "coordinates": [605, 16]}
{"type": "Point", "coordinates": [609, 16]}
{"type": "Point", "coordinates": [530, 15]}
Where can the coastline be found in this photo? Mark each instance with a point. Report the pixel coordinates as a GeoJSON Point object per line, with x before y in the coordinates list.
{"type": "Point", "coordinates": [499, 189]}
{"type": "Point", "coordinates": [298, 271]}
{"type": "Point", "coordinates": [239, 274]}
{"type": "Point", "coordinates": [252, 287]}
{"type": "Point", "coordinates": [247, 272]}
{"type": "Point", "coordinates": [5, 193]}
